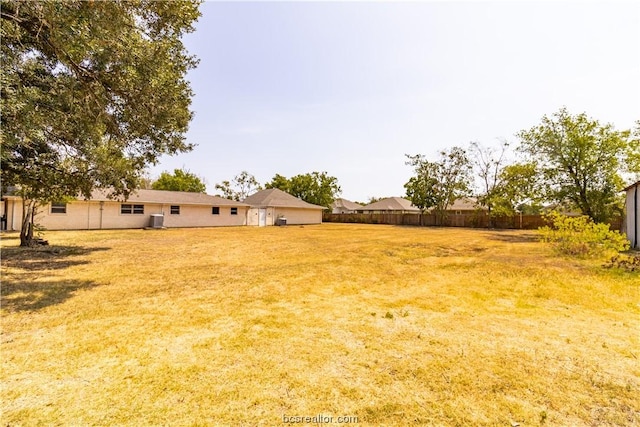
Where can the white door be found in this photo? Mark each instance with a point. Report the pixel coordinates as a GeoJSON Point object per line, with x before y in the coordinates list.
{"type": "Point", "coordinates": [262, 217]}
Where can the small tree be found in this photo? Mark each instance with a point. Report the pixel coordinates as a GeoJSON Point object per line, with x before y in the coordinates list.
{"type": "Point", "coordinates": [240, 187]}
{"type": "Point", "coordinates": [438, 184]}
{"type": "Point", "coordinates": [489, 163]}
{"type": "Point", "coordinates": [180, 180]}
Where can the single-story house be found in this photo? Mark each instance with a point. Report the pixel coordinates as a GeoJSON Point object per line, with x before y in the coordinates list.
{"type": "Point", "coordinates": [632, 206]}
{"type": "Point", "coordinates": [342, 206]}
{"type": "Point", "coordinates": [274, 206]}
{"type": "Point", "coordinates": [394, 205]}
{"type": "Point", "coordinates": [465, 205]}
{"type": "Point", "coordinates": [166, 208]}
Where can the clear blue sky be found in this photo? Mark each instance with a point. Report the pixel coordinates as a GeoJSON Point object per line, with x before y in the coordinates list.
{"type": "Point", "coordinates": [351, 87]}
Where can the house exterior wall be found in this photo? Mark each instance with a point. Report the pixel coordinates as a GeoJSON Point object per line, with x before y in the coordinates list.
{"type": "Point", "coordinates": [633, 206]}
{"type": "Point", "coordinates": [95, 215]}
{"type": "Point", "coordinates": [341, 210]}
{"type": "Point", "coordinates": [201, 216]}
{"type": "Point", "coordinates": [299, 216]}
{"type": "Point", "coordinates": [13, 212]}
{"type": "Point", "coordinates": [293, 215]}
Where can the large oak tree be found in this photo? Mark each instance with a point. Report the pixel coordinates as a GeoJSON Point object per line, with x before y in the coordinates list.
{"type": "Point", "coordinates": [92, 93]}
{"type": "Point", "coordinates": [581, 161]}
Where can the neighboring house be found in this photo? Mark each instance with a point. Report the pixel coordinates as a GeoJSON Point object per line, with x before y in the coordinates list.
{"type": "Point", "coordinates": [389, 205]}
{"type": "Point", "coordinates": [273, 206]}
{"type": "Point", "coordinates": [465, 205]}
{"type": "Point", "coordinates": [342, 206]}
{"type": "Point", "coordinates": [633, 205]}
{"type": "Point", "coordinates": [177, 208]}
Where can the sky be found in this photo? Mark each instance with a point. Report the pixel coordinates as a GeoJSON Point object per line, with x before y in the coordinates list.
{"type": "Point", "coordinates": [351, 87]}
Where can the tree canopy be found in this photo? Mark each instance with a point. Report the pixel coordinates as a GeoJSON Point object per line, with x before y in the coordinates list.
{"type": "Point", "coordinates": [317, 188]}
{"type": "Point", "coordinates": [581, 161]}
{"type": "Point", "coordinates": [91, 93]}
{"type": "Point", "coordinates": [180, 180]}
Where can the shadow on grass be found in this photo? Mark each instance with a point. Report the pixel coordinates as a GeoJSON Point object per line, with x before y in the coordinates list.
{"type": "Point", "coordinates": [22, 289]}
{"type": "Point", "coordinates": [45, 257]}
{"type": "Point", "coordinates": [21, 293]}
{"type": "Point", "coordinates": [4, 235]}
{"type": "Point", "coordinates": [510, 237]}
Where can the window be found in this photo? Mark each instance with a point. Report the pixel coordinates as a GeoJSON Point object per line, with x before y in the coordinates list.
{"type": "Point", "coordinates": [58, 208]}
{"type": "Point", "coordinates": [131, 209]}
{"type": "Point", "coordinates": [175, 210]}
{"type": "Point", "coordinates": [234, 211]}
{"type": "Point", "coordinates": [215, 210]}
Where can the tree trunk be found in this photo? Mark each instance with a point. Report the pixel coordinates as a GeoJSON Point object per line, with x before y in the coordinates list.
{"type": "Point", "coordinates": [28, 216]}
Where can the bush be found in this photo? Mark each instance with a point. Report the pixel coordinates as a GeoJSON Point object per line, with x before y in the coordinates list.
{"type": "Point", "coordinates": [624, 262]}
{"type": "Point", "coordinates": [579, 236]}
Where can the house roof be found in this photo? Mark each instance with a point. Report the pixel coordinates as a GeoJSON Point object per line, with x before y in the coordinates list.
{"type": "Point", "coordinates": [390, 204]}
{"type": "Point", "coordinates": [635, 184]}
{"type": "Point", "coordinates": [465, 204]}
{"type": "Point", "coordinates": [158, 196]}
{"type": "Point", "coordinates": [347, 204]}
{"type": "Point", "coordinates": [274, 197]}
{"type": "Point", "coordinates": [170, 197]}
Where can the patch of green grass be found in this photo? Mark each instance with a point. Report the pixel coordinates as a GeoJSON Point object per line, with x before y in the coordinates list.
{"type": "Point", "coordinates": [240, 326]}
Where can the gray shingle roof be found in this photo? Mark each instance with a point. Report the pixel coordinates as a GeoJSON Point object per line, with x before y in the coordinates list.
{"type": "Point", "coordinates": [274, 197]}
{"type": "Point", "coordinates": [170, 197]}
{"type": "Point", "coordinates": [465, 204]}
{"type": "Point", "coordinates": [390, 204]}
{"type": "Point", "coordinates": [347, 204]}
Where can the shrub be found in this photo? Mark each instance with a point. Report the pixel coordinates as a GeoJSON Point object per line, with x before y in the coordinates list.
{"type": "Point", "coordinates": [624, 262]}
{"type": "Point", "coordinates": [580, 236]}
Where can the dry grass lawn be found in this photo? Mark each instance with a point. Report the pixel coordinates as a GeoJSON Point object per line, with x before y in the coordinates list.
{"type": "Point", "coordinates": [248, 326]}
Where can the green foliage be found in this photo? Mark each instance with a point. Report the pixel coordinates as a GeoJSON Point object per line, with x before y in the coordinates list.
{"type": "Point", "coordinates": [517, 190]}
{"type": "Point", "coordinates": [240, 187]}
{"type": "Point", "coordinates": [180, 180]}
{"type": "Point", "coordinates": [580, 236]}
{"type": "Point", "coordinates": [317, 188]}
{"type": "Point", "coordinates": [280, 182]}
{"type": "Point", "coordinates": [438, 184]}
{"type": "Point", "coordinates": [91, 92]}
{"type": "Point", "coordinates": [581, 161]}
{"type": "Point", "coordinates": [633, 154]}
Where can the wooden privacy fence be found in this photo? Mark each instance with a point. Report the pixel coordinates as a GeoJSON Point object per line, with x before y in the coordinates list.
{"type": "Point", "coordinates": [470, 220]}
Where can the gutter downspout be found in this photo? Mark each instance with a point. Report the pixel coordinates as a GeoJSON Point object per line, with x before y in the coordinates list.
{"type": "Point", "coordinates": [13, 215]}
{"type": "Point", "coordinates": [101, 209]}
